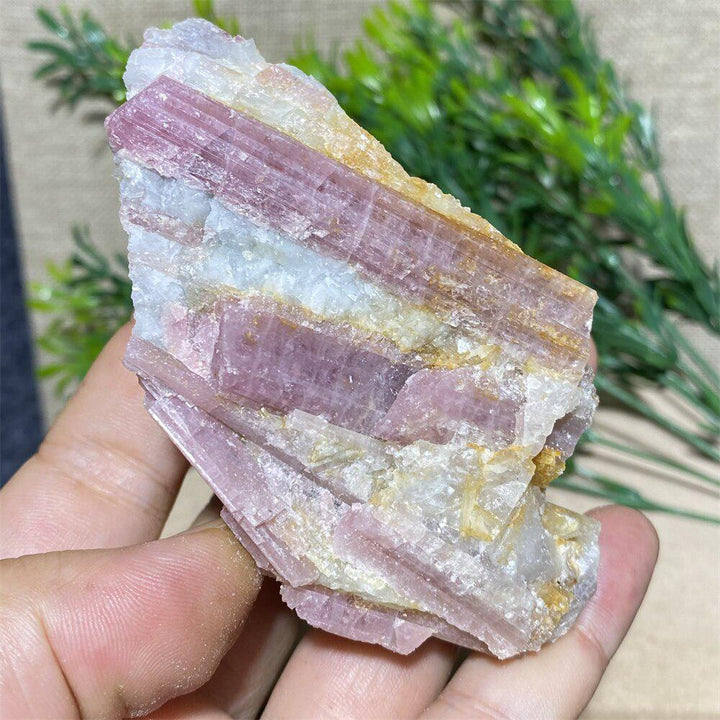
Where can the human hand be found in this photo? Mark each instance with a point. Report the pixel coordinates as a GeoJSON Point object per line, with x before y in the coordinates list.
{"type": "Point", "coordinates": [104, 620]}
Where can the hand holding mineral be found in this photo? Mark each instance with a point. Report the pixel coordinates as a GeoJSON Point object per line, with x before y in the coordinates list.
{"type": "Point", "coordinates": [377, 385]}
{"type": "Point", "coordinates": [101, 619]}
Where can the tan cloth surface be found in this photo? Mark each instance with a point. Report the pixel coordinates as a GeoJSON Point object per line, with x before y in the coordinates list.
{"type": "Point", "coordinates": [669, 666]}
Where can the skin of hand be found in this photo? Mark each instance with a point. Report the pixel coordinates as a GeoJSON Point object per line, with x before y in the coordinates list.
{"type": "Point", "coordinates": [100, 619]}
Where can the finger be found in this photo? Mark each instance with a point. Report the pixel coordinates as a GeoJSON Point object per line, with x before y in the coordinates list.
{"type": "Point", "coordinates": [243, 680]}
{"type": "Point", "coordinates": [247, 674]}
{"type": "Point", "coordinates": [115, 633]}
{"type": "Point", "coordinates": [106, 474]}
{"type": "Point", "coordinates": [331, 677]}
{"type": "Point", "coordinates": [559, 681]}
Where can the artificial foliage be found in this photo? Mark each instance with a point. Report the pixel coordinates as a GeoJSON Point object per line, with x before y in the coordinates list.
{"type": "Point", "coordinates": [509, 106]}
{"type": "Point", "coordinates": [87, 299]}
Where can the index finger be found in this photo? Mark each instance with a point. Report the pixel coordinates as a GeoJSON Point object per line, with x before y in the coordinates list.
{"type": "Point", "coordinates": [106, 475]}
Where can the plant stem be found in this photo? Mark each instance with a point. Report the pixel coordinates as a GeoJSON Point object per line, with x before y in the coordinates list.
{"type": "Point", "coordinates": [605, 385]}
{"type": "Point", "coordinates": [674, 382]}
{"type": "Point", "coordinates": [650, 456]}
{"type": "Point", "coordinates": [625, 495]}
{"type": "Point", "coordinates": [692, 352]}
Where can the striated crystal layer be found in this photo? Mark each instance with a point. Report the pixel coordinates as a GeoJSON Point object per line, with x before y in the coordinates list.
{"type": "Point", "coordinates": [374, 381]}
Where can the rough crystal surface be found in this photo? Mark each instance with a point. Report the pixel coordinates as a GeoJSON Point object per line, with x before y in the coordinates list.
{"type": "Point", "coordinates": [374, 381]}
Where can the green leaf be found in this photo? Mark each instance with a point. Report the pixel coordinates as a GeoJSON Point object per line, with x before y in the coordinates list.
{"type": "Point", "coordinates": [50, 22]}
{"type": "Point", "coordinates": [87, 300]}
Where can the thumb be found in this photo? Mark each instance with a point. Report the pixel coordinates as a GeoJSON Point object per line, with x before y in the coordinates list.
{"type": "Point", "coordinates": [112, 633]}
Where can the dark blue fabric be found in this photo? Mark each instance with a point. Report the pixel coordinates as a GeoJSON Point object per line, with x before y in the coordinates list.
{"type": "Point", "coordinates": [20, 423]}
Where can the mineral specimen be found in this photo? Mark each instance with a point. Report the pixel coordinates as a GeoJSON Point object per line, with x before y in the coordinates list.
{"type": "Point", "coordinates": [375, 382]}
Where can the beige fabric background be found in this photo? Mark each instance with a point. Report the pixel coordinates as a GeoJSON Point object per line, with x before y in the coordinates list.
{"type": "Point", "coordinates": [668, 50]}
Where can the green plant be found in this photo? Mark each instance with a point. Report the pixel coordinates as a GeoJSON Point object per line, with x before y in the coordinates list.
{"type": "Point", "coordinates": [511, 108]}
{"type": "Point", "coordinates": [88, 299]}
{"type": "Point", "coordinates": [83, 60]}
